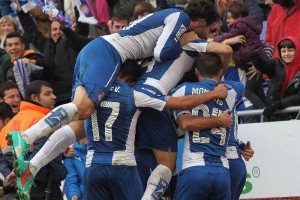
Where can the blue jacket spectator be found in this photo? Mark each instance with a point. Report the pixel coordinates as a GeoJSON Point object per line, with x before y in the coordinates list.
{"type": "Point", "coordinates": [76, 166]}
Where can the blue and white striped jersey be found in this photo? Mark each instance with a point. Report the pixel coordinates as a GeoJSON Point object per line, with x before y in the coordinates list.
{"type": "Point", "coordinates": [161, 77]}
{"type": "Point", "coordinates": [207, 147]}
{"type": "Point", "coordinates": [166, 75]}
{"type": "Point", "coordinates": [233, 148]}
{"type": "Point", "coordinates": [111, 128]}
{"type": "Point", "coordinates": [155, 34]}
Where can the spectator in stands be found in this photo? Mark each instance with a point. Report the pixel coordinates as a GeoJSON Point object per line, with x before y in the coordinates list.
{"type": "Point", "coordinates": [284, 73]}
{"type": "Point", "coordinates": [69, 8]}
{"type": "Point", "coordinates": [58, 49]}
{"type": "Point", "coordinates": [283, 22]}
{"type": "Point", "coordinates": [4, 58]}
{"type": "Point", "coordinates": [8, 24]}
{"type": "Point", "coordinates": [75, 165]}
{"type": "Point", "coordinates": [127, 6]}
{"type": "Point", "coordinates": [25, 65]}
{"type": "Point", "coordinates": [247, 31]}
{"type": "Point", "coordinates": [5, 8]}
{"type": "Point", "coordinates": [141, 9]}
{"type": "Point", "coordinates": [39, 99]}
{"type": "Point", "coordinates": [6, 114]}
{"type": "Point", "coordinates": [241, 24]}
{"type": "Point", "coordinates": [6, 191]}
{"type": "Point", "coordinates": [118, 21]}
{"type": "Point", "coordinates": [10, 94]}
{"type": "Point", "coordinates": [254, 10]}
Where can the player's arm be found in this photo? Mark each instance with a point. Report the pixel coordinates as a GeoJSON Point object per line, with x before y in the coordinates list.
{"type": "Point", "coordinates": [189, 122]}
{"type": "Point", "coordinates": [223, 50]}
{"type": "Point", "coordinates": [191, 101]}
{"type": "Point", "coordinates": [168, 45]}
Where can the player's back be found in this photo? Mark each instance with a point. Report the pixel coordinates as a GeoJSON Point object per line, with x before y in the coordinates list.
{"type": "Point", "coordinates": [205, 147]}
{"type": "Point", "coordinates": [166, 75]}
{"type": "Point", "coordinates": [157, 33]}
{"type": "Point", "coordinates": [111, 128]}
{"type": "Point", "coordinates": [232, 150]}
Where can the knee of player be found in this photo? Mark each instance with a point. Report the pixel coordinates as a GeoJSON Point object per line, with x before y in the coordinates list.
{"type": "Point", "coordinates": [168, 160]}
{"type": "Point", "coordinates": [85, 110]}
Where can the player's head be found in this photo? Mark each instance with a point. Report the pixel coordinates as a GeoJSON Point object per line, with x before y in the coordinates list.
{"type": "Point", "coordinates": [209, 66]}
{"type": "Point", "coordinates": [130, 72]}
{"type": "Point", "coordinates": [203, 15]}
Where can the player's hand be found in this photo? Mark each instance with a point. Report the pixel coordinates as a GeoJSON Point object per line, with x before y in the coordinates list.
{"type": "Point", "coordinates": [226, 119]}
{"type": "Point", "coordinates": [248, 152]}
{"type": "Point", "coordinates": [220, 92]}
{"type": "Point", "coordinates": [188, 37]}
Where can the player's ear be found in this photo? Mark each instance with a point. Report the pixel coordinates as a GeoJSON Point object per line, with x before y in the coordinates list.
{"type": "Point", "coordinates": [197, 72]}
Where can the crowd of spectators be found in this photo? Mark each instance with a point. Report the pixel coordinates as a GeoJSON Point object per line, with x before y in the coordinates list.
{"type": "Point", "coordinates": [37, 45]}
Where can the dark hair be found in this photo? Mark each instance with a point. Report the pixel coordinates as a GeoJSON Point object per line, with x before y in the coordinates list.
{"type": "Point", "coordinates": [5, 111]}
{"type": "Point", "coordinates": [141, 8]}
{"type": "Point", "coordinates": [7, 86]}
{"type": "Point", "coordinates": [119, 15]}
{"type": "Point", "coordinates": [35, 88]}
{"type": "Point", "coordinates": [131, 69]}
{"type": "Point", "coordinates": [238, 9]}
{"type": "Point", "coordinates": [285, 3]}
{"type": "Point", "coordinates": [202, 9]}
{"type": "Point", "coordinates": [208, 64]}
{"type": "Point", "coordinates": [286, 43]}
{"type": "Point", "coordinates": [13, 35]}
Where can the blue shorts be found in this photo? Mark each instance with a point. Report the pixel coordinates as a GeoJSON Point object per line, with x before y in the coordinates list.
{"type": "Point", "coordinates": [156, 130]}
{"type": "Point", "coordinates": [112, 182]}
{"type": "Point", "coordinates": [96, 68]}
{"type": "Point", "coordinates": [238, 175]}
{"type": "Point", "coordinates": [203, 182]}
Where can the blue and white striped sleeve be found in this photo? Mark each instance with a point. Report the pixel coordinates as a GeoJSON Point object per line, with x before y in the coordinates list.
{"type": "Point", "coordinates": [168, 45]}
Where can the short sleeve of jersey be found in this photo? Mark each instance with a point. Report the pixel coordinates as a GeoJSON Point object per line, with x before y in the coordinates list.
{"type": "Point", "coordinates": [237, 86]}
{"type": "Point", "coordinates": [234, 87]}
{"type": "Point", "coordinates": [179, 91]}
{"type": "Point", "coordinates": [168, 45]}
{"type": "Point", "coordinates": [195, 47]}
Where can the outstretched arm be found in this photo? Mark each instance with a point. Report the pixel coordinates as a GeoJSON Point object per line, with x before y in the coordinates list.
{"type": "Point", "coordinates": [223, 50]}
{"type": "Point", "coordinates": [191, 101]}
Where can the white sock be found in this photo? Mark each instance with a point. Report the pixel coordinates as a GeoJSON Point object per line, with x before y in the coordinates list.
{"type": "Point", "coordinates": [157, 183]}
{"type": "Point", "coordinates": [54, 146]}
{"type": "Point", "coordinates": [62, 115]}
